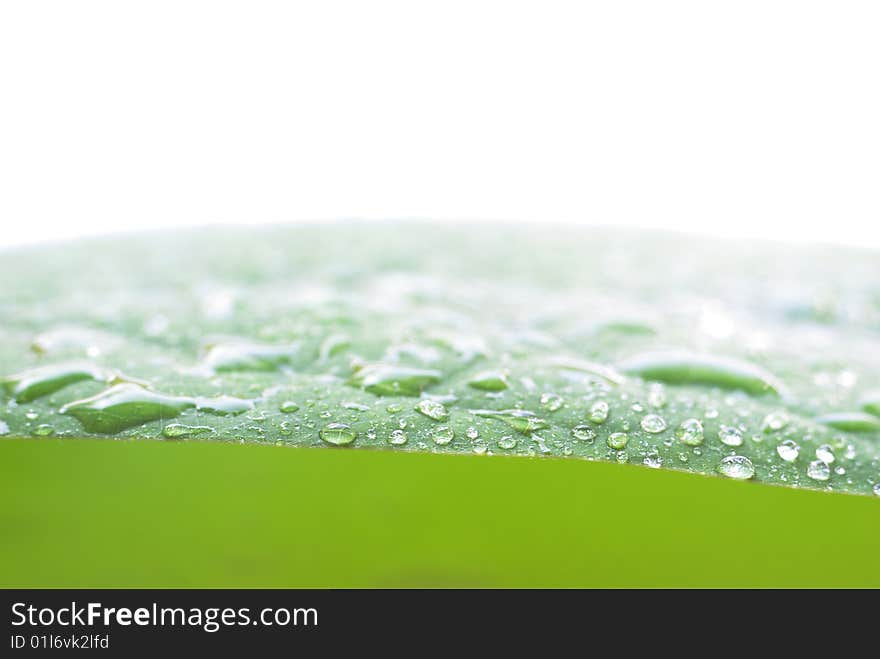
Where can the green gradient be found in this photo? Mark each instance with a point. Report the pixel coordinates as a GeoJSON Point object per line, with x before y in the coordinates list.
{"type": "Point", "coordinates": [153, 514]}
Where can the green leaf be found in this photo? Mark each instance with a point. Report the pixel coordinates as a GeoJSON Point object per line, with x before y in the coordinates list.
{"type": "Point", "coordinates": [752, 362]}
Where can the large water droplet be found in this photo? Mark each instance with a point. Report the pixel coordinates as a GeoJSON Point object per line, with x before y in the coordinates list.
{"type": "Point", "coordinates": [551, 402]}
{"type": "Point", "coordinates": [442, 435]}
{"type": "Point", "coordinates": [617, 440]}
{"type": "Point", "coordinates": [738, 467]}
{"type": "Point", "coordinates": [432, 409]}
{"type": "Point", "coordinates": [127, 405]}
{"type": "Point", "coordinates": [690, 432]}
{"type": "Point", "coordinates": [788, 450]}
{"type": "Point", "coordinates": [338, 434]}
{"type": "Point", "coordinates": [244, 355]}
{"type": "Point", "coordinates": [819, 471]}
{"type": "Point", "coordinates": [398, 437]}
{"type": "Point", "coordinates": [583, 433]}
{"type": "Point", "coordinates": [653, 423]}
{"type": "Point", "coordinates": [774, 421]}
{"type": "Point", "coordinates": [656, 395]}
{"type": "Point", "coordinates": [522, 421]}
{"type": "Point", "coordinates": [74, 340]}
{"type": "Point", "coordinates": [44, 380]}
{"type": "Point", "coordinates": [507, 442]}
{"type": "Point", "coordinates": [591, 370]}
{"type": "Point", "coordinates": [178, 430]}
{"type": "Point", "coordinates": [223, 405]}
{"type": "Point", "coordinates": [653, 460]}
{"type": "Point", "coordinates": [692, 368]}
{"type": "Point", "coordinates": [393, 380]}
{"type": "Point", "coordinates": [598, 412]}
{"type": "Point", "coordinates": [730, 436]}
{"type": "Point", "coordinates": [851, 421]}
{"type": "Point", "coordinates": [825, 454]}
{"type": "Point", "coordinates": [489, 381]}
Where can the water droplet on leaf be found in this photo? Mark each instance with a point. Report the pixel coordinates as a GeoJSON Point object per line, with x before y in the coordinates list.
{"type": "Point", "coordinates": [690, 432]}
{"type": "Point", "coordinates": [653, 423]}
{"type": "Point", "coordinates": [737, 466]}
{"type": "Point", "coordinates": [432, 409]}
{"type": "Point", "coordinates": [338, 434]}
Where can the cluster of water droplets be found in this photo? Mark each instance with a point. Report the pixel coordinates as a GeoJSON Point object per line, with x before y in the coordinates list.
{"type": "Point", "coordinates": [413, 363]}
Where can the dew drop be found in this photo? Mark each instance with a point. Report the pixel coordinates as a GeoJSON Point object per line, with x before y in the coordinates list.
{"type": "Point", "coordinates": [738, 467]}
{"type": "Point", "coordinates": [288, 407]}
{"type": "Point", "coordinates": [338, 434]}
{"type": "Point", "coordinates": [432, 409]}
{"type": "Point", "coordinates": [730, 436]}
{"type": "Point", "coordinates": [656, 395]}
{"type": "Point", "coordinates": [44, 380]}
{"type": "Point", "coordinates": [617, 440]}
{"type": "Point", "coordinates": [542, 445]}
{"type": "Point", "coordinates": [442, 435]}
{"type": "Point", "coordinates": [245, 355]}
{"type": "Point", "coordinates": [551, 402]}
{"type": "Point", "coordinates": [653, 423]}
{"type": "Point", "coordinates": [774, 421]}
{"type": "Point", "coordinates": [520, 420]}
{"type": "Point", "coordinates": [653, 460]}
{"type": "Point", "coordinates": [684, 368]}
{"type": "Point", "coordinates": [125, 406]}
{"type": "Point", "coordinates": [393, 380]}
{"type": "Point", "coordinates": [472, 433]}
{"type": "Point", "coordinates": [176, 430]}
{"type": "Point", "coordinates": [44, 430]}
{"type": "Point", "coordinates": [819, 471]}
{"type": "Point", "coordinates": [850, 421]}
{"type": "Point", "coordinates": [489, 381]}
{"type": "Point", "coordinates": [584, 433]}
{"type": "Point", "coordinates": [788, 450]}
{"type": "Point", "coordinates": [690, 432]}
{"type": "Point", "coordinates": [507, 442]}
{"type": "Point", "coordinates": [398, 437]}
{"type": "Point", "coordinates": [825, 454]}
{"type": "Point", "coordinates": [599, 412]}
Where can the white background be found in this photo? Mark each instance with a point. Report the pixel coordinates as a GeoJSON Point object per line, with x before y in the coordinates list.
{"type": "Point", "coordinates": [735, 118]}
